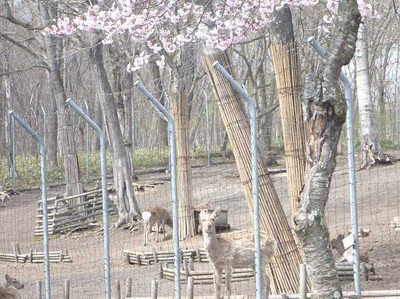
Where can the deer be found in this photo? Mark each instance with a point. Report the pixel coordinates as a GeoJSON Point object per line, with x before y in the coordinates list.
{"type": "Point", "coordinates": [11, 287]}
{"type": "Point", "coordinates": [233, 250]}
{"type": "Point", "coordinates": [155, 215]}
{"type": "Point", "coordinates": [4, 196]}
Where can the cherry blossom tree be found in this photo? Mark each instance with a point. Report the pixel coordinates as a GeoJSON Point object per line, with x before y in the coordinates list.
{"type": "Point", "coordinates": [169, 29]}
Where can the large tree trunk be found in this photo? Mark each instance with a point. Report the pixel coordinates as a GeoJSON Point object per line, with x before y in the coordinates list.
{"type": "Point", "coordinates": [289, 84]}
{"type": "Point", "coordinates": [68, 149]}
{"type": "Point", "coordinates": [326, 112]}
{"type": "Point", "coordinates": [126, 201]}
{"type": "Point", "coordinates": [273, 220]}
{"type": "Point", "coordinates": [368, 127]}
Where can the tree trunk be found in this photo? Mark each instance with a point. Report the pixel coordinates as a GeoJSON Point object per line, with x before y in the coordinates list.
{"type": "Point", "coordinates": [126, 201]}
{"type": "Point", "coordinates": [162, 126]}
{"type": "Point", "coordinates": [68, 150]}
{"type": "Point", "coordinates": [289, 84]}
{"type": "Point", "coordinates": [273, 220]}
{"type": "Point", "coordinates": [326, 113]}
{"type": "Point", "coordinates": [368, 128]}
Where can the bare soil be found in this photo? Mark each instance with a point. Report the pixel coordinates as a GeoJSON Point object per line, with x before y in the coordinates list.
{"type": "Point", "coordinates": [378, 204]}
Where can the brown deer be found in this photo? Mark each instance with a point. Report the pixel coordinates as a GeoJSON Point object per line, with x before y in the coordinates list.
{"type": "Point", "coordinates": [155, 215]}
{"type": "Point", "coordinates": [9, 291]}
{"type": "Point", "coordinates": [233, 250]}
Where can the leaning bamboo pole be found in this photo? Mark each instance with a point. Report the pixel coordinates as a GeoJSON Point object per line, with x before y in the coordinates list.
{"type": "Point", "coordinates": [284, 270]}
{"type": "Point", "coordinates": [289, 85]}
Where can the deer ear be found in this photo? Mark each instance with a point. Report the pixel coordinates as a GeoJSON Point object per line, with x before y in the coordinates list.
{"type": "Point", "coordinates": [217, 212]}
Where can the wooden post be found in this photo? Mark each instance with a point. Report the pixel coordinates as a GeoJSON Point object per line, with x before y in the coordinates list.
{"type": "Point", "coordinates": [117, 289]}
{"type": "Point", "coordinates": [198, 255]}
{"type": "Point", "coordinates": [155, 255]}
{"type": "Point", "coordinates": [190, 288]}
{"type": "Point", "coordinates": [38, 289]}
{"type": "Point", "coordinates": [128, 287]}
{"type": "Point", "coordinates": [364, 272]}
{"type": "Point", "coordinates": [303, 281]}
{"type": "Point", "coordinates": [154, 289]}
{"type": "Point", "coordinates": [16, 250]}
{"type": "Point", "coordinates": [161, 271]}
{"type": "Point", "coordinates": [66, 288]}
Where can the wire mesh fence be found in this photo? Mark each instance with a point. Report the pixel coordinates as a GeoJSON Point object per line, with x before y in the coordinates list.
{"type": "Point", "coordinates": [77, 253]}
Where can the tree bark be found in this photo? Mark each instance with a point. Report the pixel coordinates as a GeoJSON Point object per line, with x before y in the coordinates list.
{"type": "Point", "coordinates": [69, 154]}
{"type": "Point", "coordinates": [326, 113]}
{"type": "Point", "coordinates": [128, 208]}
{"type": "Point", "coordinates": [273, 220]}
{"type": "Point", "coordinates": [368, 128]}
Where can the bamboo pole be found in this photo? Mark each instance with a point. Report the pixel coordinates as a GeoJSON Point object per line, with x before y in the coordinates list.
{"type": "Point", "coordinates": [289, 85]}
{"type": "Point", "coordinates": [284, 269]}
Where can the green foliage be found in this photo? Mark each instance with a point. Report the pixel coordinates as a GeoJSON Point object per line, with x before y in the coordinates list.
{"type": "Point", "coordinates": [29, 167]}
{"type": "Point", "coordinates": [389, 144]}
{"type": "Point", "coordinates": [150, 157]}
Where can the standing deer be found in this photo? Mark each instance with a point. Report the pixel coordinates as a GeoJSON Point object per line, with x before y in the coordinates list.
{"type": "Point", "coordinates": [233, 250]}
{"type": "Point", "coordinates": [155, 215]}
{"type": "Point", "coordinates": [9, 291]}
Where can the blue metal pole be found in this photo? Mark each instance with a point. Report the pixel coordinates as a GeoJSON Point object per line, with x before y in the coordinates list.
{"type": "Point", "coordinates": [104, 193]}
{"type": "Point", "coordinates": [171, 137]}
{"type": "Point", "coordinates": [256, 207]}
{"type": "Point", "coordinates": [352, 169]}
{"type": "Point", "coordinates": [87, 143]}
{"type": "Point", "coordinates": [208, 131]}
{"type": "Point", "coordinates": [44, 200]}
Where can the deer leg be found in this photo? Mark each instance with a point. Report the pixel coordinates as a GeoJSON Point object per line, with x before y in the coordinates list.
{"type": "Point", "coordinates": [163, 229]}
{"type": "Point", "coordinates": [228, 279]}
{"type": "Point", "coordinates": [217, 283]}
{"type": "Point", "coordinates": [145, 233]}
{"type": "Point", "coordinates": [157, 231]}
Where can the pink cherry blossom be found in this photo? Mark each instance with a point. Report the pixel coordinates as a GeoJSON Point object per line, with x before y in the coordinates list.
{"type": "Point", "coordinates": [168, 25]}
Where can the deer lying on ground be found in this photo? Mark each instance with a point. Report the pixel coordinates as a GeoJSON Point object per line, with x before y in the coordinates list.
{"type": "Point", "coordinates": [155, 215]}
{"type": "Point", "coordinates": [233, 250]}
{"type": "Point", "coordinates": [9, 291]}
{"type": "Point", "coordinates": [4, 196]}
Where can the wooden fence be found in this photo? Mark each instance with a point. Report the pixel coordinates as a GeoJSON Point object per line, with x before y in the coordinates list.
{"type": "Point", "coordinates": [64, 217]}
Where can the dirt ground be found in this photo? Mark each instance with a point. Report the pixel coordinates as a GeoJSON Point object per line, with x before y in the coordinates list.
{"type": "Point", "coordinates": [378, 204]}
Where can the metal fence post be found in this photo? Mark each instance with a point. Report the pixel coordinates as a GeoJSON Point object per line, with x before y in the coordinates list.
{"type": "Point", "coordinates": [256, 207]}
{"type": "Point", "coordinates": [44, 199]}
{"type": "Point", "coordinates": [104, 193]}
{"type": "Point", "coordinates": [172, 147]}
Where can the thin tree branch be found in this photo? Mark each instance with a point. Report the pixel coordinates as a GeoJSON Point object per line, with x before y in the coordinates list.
{"type": "Point", "coordinates": [25, 69]}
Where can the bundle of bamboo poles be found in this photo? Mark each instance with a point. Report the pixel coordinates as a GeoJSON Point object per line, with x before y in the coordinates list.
{"type": "Point", "coordinates": [289, 85]}
{"type": "Point", "coordinates": [285, 265]}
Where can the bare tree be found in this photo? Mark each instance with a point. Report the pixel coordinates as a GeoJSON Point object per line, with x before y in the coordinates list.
{"type": "Point", "coordinates": [369, 136]}
{"type": "Point", "coordinates": [128, 208]}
